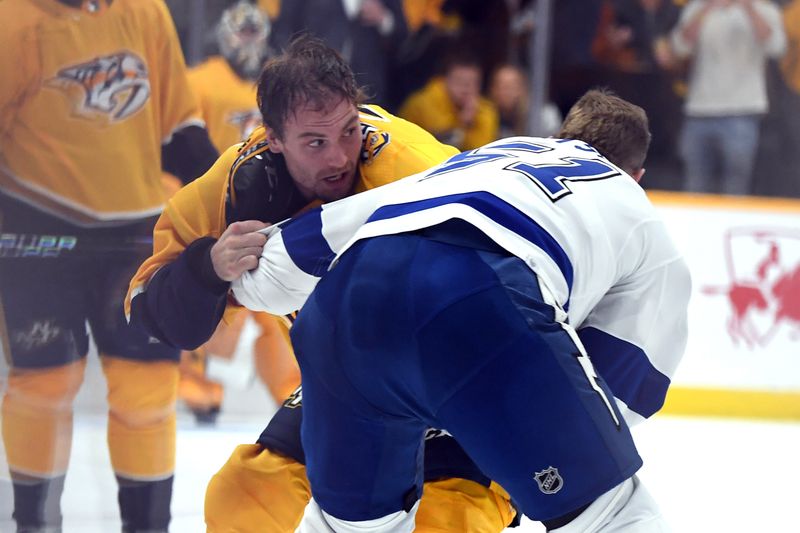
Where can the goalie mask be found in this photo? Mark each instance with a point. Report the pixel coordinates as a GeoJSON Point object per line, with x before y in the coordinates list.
{"type": "Point", "coordinates": [242, 38]}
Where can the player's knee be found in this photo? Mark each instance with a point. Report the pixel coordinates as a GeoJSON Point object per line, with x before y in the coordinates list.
{"type": "Point", "coordinates": [141, 394]}
{"type": "Point", "coordinates": [315, 519]}
{"type": "Point", "coordinates": [458, 504]}
{"type": "Point", "coordinates": [256, 490]}
{"type": "Point", "coordinates": [46, 389]}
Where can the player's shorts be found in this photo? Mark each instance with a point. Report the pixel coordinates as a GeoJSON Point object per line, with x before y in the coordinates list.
{"type": "Point", "coordinates": [56, 276]}
{"type": "Point", "coordinates": [407, 333]}
{"type": "Point", "coordinates": [444, 458]}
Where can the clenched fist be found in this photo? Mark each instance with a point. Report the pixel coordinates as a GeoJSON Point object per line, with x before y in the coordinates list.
{"type": "Point", "coordinates": [238, 249]}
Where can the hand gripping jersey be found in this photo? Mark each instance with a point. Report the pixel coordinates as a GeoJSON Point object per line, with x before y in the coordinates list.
{"type": "Point", "coordinates": [175, 294]}
{"type": "Point", "coordinates": [605, 260]}
{"type": "Point", "coordinates": [93, 97]}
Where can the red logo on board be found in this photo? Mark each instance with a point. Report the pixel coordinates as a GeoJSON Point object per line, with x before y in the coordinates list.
{"type": "Point", "coordinates": [764, 292]}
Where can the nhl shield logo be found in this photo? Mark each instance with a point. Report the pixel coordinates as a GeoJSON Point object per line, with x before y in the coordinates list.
{"type": "Point", "coordinates": [549, 480]}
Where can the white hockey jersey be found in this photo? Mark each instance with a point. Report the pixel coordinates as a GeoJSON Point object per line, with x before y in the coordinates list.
{"type": "Point", "coordinates": [579, 222]}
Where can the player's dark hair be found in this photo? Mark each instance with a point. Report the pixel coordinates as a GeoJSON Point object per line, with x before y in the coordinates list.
{"type": "Point", "coordinates": [459, 54]}
{"type": "Point", "coordinates": [308, 72]}
{"type": "Point", "coordinates": [616, 128]}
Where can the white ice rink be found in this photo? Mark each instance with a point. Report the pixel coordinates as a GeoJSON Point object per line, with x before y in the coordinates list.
{"type": "Point", "coordinates": [710, 476]}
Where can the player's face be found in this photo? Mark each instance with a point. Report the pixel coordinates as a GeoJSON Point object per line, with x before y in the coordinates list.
{"type": "Point", "coordinates": [507, 89]}
{"type": "Point", "coordinates": [321, 148]}
{"type": "Point", "coordinates": [463, 84]}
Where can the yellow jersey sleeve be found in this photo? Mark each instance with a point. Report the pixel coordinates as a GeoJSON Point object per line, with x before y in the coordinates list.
{"type": "Point", "coordinates": [195, 211]}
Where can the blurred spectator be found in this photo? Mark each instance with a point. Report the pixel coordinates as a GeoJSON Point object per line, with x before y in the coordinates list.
{"type": "Point", "coordinates": [633, 34]}
{"type": "Point", "coordinates": [790, 68]}
{"type": "Point", "coordinates": [573, 68]}
{"type": "Point", "coordinates": [94, 103]}
{"type": "Point", "coordinates": [790, 65]}
{"type": "Point", "coordinates": [437, 25]}
{"type": "Point", "coordinates": [728, 42]}
{"type": "Point", "coordinates": [366, 32]}
{"type": "Point", "coordinates": [508, 90]}
{"type": "Point", "coordinates": [451, 106]}
{"type": "Point", "coordinates": [485, 25]}
{"type": "Point", "coordinates": [430, 30]}
{"type": "Point", "coordinates": [521, 25]}
{"type": "Point", "coordinates": [632, 43]}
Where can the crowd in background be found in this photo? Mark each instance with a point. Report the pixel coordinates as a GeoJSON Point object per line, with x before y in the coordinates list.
{"type": "Point", "coordinates": [461, 69]}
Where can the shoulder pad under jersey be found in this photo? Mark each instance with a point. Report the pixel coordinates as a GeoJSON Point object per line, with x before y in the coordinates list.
{"type": "Point", "coordinates": [260, 187]}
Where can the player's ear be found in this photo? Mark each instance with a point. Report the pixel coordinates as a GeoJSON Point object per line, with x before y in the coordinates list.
{"type": "Point", "coordinates": [275, 143]}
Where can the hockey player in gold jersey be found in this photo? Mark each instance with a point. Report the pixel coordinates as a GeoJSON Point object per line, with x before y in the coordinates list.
{"type": "Point", "coordinates": [94, 102]}
{"type": "Point", "coordinates": [317, 145]}
{"type": "Point", "coordinates": [225, 85]}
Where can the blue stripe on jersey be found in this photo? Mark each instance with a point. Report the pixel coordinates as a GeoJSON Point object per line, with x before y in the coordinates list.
{"type": "Point", "coordinates": [496, 209]}
{"type": "Point", "coordinates": [627, 371]}
{"type": "Point", "coordinates": [306, 245]}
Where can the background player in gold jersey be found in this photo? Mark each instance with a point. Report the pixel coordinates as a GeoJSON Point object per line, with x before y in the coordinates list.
{"type": "Point", "coordinates": [318, 145]}
{"type": "Point", "coordinates": [97, 104]}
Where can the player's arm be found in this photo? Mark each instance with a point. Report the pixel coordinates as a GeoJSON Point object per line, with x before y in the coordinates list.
{"type": "Point", "coordinates": [176, 295]}
{"type": "Point", "coordinates": [637, 333]}
{"type": "Point", "coordinates": [187, 152]}
{"type": "Point", "coordinates": [685, 35]}
{"type": "Point", "coordinates": [299, 251]}
{"type": "Point", "coordinates": [21, 57]}
{"type": "Point", "coordinates": [186, 149]}
{"type": "Point", "coordinates": [767, 21]}
{"type": "Point", "coordinates": [207, 236]}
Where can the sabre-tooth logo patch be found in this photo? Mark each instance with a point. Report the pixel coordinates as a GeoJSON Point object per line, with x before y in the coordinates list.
{"type": "Point", "coordinates": [116, 85]}
{"type": "Point", "coordinates": [373, 142]}
{"type": "Point", "coordinates": [549, 480]}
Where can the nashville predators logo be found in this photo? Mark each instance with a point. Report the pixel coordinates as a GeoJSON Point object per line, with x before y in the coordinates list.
{"type": "Point", "coordinates": [373, 142]}
{"type": "Point", "coordinates": [116, 86]}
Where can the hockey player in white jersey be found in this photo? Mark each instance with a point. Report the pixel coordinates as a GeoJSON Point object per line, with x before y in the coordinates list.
{"type": "Point", "coordinates": [471, 298]}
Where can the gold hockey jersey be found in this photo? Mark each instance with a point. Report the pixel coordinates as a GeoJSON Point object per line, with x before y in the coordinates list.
{"type": "Point", "coordinates": [227, 102]}
{"type": "Point", "coordinates": [392, 148]}
{"type": "Point", "coordinates": [87, 98]}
